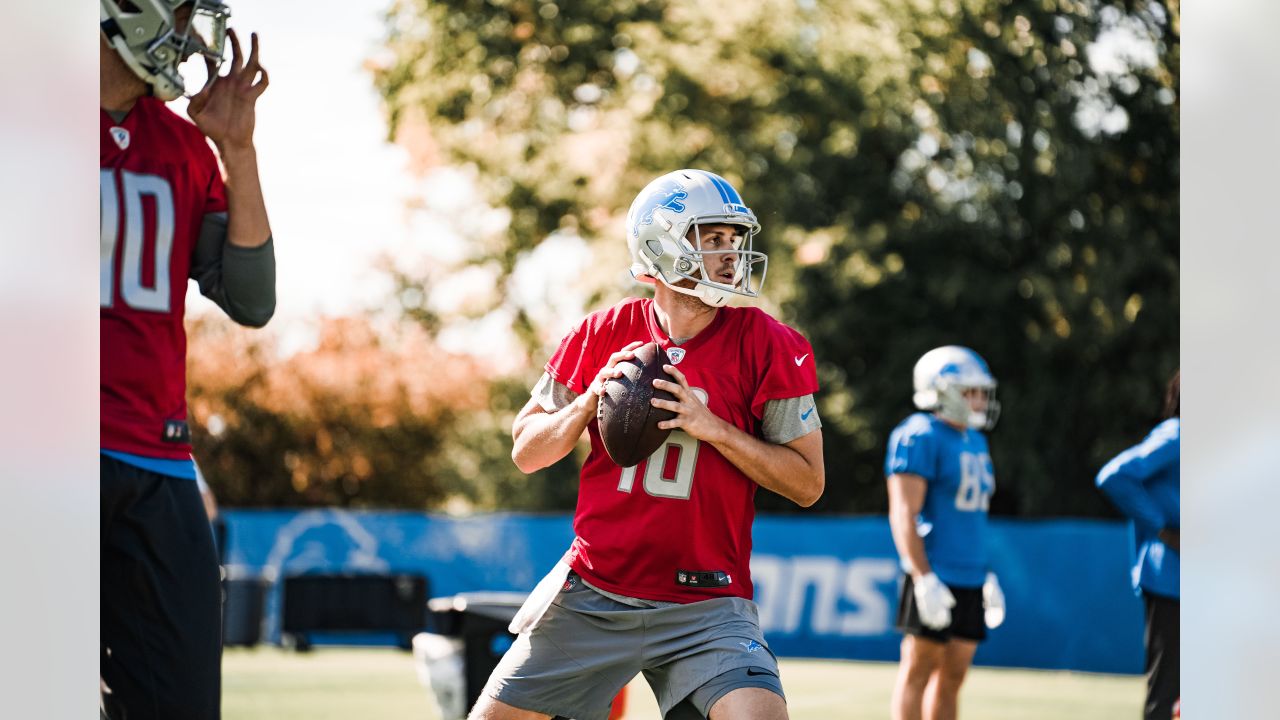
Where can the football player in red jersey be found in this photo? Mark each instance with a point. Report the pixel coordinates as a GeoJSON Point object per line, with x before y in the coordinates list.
{"type": "Point", "coordinates": [657, 579]}
{"type": "Point", "coordinates": [167, 215]}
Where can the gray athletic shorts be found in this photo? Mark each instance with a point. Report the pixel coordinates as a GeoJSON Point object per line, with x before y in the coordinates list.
{"type": "Point", "coordinates": [588, 646]}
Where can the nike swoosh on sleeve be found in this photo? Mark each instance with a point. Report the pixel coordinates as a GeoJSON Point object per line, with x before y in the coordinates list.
{"type": "Point", "coordinates": [800, 359]}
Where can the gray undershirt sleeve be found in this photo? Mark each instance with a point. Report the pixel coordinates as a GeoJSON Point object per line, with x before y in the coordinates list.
{"type": "Point", "coordinates": [551, 395]}
{"type": "Point", "coordinates": [242, 281]}
{"type": "Point", "coordinates": [789, 418]}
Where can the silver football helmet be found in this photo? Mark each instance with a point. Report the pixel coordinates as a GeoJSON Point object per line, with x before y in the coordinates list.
{"type": "Point", "coordinates": [658, 226]}
{"type": "Point", "coordinates": [943, 375]}
{"type": "Point", "coordinates": [146, 35]}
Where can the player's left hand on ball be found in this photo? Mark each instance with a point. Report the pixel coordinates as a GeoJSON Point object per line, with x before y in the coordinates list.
{"type": "Point", "coordinates": [692, 415]}
{"type": "Point", "coordinates": [611, 371]}
{"type": "Point", "coordinates": [992, 602]}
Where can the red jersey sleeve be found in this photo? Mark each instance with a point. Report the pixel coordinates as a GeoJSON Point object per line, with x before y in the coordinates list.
{"type": "Point", "coordinates": [572, 365]}
{"type": "Point", "coordinates": [785, 365]}
{"type": "Point", "coordinates": [588, 346]}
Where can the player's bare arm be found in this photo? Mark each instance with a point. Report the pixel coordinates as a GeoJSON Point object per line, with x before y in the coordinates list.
{"type": "Point", "coordinates": [794, 470]}
{"type": "Point", "coordinates": [224, 110]}
{"type": "Point", "coordinates": [906, 497]}
{"type": "Point", "coordinates": [541, 438]}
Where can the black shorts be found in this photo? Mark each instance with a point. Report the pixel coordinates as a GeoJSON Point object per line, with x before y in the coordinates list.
{"type": "Point", "coordinates": [967, 617]}
{"type": "Point", "coordinates": [160, 598]}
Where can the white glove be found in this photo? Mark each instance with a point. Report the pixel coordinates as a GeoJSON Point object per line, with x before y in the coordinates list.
{"type": "Point", "coordinates": [933, 602]}
{"type": "Point", "coordinates": [992, 601]}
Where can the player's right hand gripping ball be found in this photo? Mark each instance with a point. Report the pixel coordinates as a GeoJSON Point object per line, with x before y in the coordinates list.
{"type": "Point", "coordinates": [628, 422]}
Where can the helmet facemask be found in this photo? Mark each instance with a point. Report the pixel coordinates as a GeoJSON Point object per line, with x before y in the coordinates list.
{"type": "Point", "coordinates": [702, 266]}
{"type": "Point", "coordinates": [206, 31]}
{"type": "Point", "coordinates": [953, 405]}
{"type": "Point", "coordinates": [145, 35]}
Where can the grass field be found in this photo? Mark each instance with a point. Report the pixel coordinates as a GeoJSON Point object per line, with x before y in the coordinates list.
{"type": "Point", "coordinates": [267, 683]}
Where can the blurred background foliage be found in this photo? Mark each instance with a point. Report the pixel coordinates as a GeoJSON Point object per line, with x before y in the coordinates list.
{"type": "Point", "coordinates": [375, 416]}
{"type": "Point", "coordinates": [1001, 174]}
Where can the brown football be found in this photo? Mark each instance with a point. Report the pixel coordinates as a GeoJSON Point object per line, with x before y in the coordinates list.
{"type": "Point", "coordinates": [628, 423]}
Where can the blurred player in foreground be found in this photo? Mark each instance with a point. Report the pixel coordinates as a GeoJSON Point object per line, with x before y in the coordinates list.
{"type": "Point", "coordinates": [1143, 482]}
{"type": "Point", "coordinates": [940, 485]}
{"type": "Point", "coordinates": [657, 579]}
{"type": "Point", "coordinates": [167, 215]}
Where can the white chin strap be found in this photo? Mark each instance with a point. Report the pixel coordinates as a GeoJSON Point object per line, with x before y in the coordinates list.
{"type": "Point", "coordinates": [712, 296]}
{"type": "Point", "coordinates": [709, 294]}
{"type": "Point", "coordinates": [162, 86]}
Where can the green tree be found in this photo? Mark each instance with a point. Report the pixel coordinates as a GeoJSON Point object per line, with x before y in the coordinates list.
{"type": "Point", "coordinates": [1035, 218]}
{"type": "Point", "coordinates": [997, 173]}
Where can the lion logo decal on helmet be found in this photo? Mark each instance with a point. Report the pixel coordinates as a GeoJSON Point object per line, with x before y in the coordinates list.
{"type": "Point", "coordinates": [668, 198]}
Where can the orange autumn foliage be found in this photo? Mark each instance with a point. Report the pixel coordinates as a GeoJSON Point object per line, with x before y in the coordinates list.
{"type": "Point", "coordinates": [356, 420]}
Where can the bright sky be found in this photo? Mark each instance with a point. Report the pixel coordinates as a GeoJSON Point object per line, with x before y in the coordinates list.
{"type": "Point", "coordinates": [335, 189]}
{"type": "Point", "coordinates": [337, 192]}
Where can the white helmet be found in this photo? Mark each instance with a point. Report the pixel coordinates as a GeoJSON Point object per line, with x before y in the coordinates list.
{"type": "Point", "coordinates": [941, 378]}
{"type": "Point", "coordinates": [145, 34]}
{"type": "Point", "coordinates": [658, 225]}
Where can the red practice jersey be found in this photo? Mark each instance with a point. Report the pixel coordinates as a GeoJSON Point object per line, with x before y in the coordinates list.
{"type": "Point", "coordinates": [686, 509]}
{"type": "Point", "coordinates": [158, 179]}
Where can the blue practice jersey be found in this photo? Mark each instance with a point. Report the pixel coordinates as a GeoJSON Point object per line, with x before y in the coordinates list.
{"type": "Point", "coordinates": [1143, 482]}
{"type": "Point", "coordinates": [953, 520]}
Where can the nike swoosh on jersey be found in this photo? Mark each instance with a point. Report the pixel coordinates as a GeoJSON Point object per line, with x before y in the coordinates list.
{"type": "Point", "coordinates": [800, 359]}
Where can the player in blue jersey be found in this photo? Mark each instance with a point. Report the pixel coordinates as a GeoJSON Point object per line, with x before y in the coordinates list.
{"type": "Point", "coordinates": [1143, 482]}
{"type": "Point", "coordinates": [940, 484]}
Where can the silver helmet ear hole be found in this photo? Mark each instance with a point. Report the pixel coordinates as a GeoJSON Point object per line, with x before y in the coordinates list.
{"type": "Point", "coordinates": [655, 247]}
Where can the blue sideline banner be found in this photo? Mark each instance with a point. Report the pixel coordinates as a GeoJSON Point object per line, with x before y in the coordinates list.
{"type": "Point", "coordinates": [827, 587]}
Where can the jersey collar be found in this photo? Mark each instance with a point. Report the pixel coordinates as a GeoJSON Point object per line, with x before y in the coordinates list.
{"type": "Point", "coordinates": [695, 342]}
